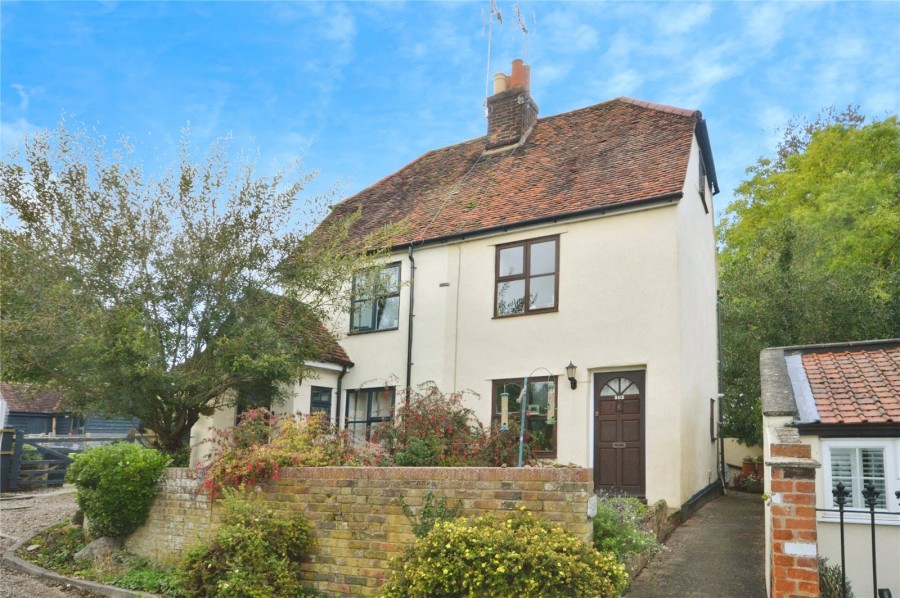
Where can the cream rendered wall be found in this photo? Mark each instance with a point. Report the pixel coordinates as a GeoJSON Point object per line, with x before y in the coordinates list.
{"type": "Point", "coordinates": [697, 289]}
{"type": "Point", "coordinates": [619, 309]}
{"type": "Point", "coordinates": [857, 540]}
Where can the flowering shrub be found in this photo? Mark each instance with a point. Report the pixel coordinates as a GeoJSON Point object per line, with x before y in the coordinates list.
{"type": "Point", "coordinates": [435, 429]}
{"type": "Point", "coordinates": [522, 556]}
{"type": "Point", "coordinates": [116, 484]}
{"type": "Point", "coordinates": [255, 554]}
{"type": "Point", "coordinates": [255, 450]}
{"type": "Point", "coordinates": [620, 527]}
{"type": "Point", "coordinates": [748, 481]}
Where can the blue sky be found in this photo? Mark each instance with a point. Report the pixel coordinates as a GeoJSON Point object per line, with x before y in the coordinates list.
{"type": "Point", "coordinates": [359, 89]}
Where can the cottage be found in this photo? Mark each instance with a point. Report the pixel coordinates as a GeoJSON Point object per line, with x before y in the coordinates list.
{"type": "Point", "coordinates": [584, 239]}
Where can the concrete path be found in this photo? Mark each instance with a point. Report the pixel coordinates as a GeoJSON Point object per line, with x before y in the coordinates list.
{"type": "Point", "coordinates": [719, 553]}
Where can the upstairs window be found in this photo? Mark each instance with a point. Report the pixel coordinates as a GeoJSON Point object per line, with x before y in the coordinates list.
{"type": "Point", "coordinates": [527, 278]}
{"type": "Point", "coordinates": [376, 300]}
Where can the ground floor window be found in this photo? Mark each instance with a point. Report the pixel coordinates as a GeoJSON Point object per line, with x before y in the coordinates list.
{"type": "Point", "coordinates": [320, 401]}
{"type": "Point", "coordinates": [858, 462]}
{"type": "Point", "coordinates": [366, 408]}
{"type": "Point", "coordinates": [540, 412]}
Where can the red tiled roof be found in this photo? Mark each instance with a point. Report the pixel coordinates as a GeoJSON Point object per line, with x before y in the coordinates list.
{"type": "Point", "coordinates": [606, 155]}
{"type": "Point", "coordinates": [24, 399]}
{"type": "Point", "coordinates": [332, 351]}
{"type": "Point", "coordinates": [855, 385]}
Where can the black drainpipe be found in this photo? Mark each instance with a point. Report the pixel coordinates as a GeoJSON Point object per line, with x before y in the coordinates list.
{"type": "Point", "coordinates": [409, 340]}
{"type": "Point", "coordinates": [337, 418]}
{"type": "Point", "coordinates": [721, 396]}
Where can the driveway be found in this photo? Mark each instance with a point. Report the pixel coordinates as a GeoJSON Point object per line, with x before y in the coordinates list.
{"type": "Point", "coordinates": [718, 552]}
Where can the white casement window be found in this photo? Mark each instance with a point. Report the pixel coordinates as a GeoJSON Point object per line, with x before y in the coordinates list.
{"type": "Point", "coordinates": [856, 463]}
{"type": "Point", "coordinates": [376, 300]}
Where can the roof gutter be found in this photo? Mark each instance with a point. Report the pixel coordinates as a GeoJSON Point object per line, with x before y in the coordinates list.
{"type": "Point", "coordinates": [706, 151]}
{"type": "Point", "coordinates": [890, 430]}
{"type": "Point", "coordinates": [657, 200]}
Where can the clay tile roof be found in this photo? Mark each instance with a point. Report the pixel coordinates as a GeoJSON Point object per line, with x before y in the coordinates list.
{"type": "Point", "coordinates": [332, 351]}
{"type": "Point", "coordinates": [855, 385]}
{"type": "Point", "coordinates": [607, 155]}
{"type": "Point", "coordinates": [24, 399]}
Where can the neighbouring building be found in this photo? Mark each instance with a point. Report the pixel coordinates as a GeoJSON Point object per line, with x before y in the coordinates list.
{"type": "Point", "coordinates": [844, 400]}
{"type": "Point", "coordinates": [584, 238]}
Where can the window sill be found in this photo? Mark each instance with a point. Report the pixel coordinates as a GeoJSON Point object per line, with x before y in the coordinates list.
{"type": "Point", "coordinates": [359, 332]}
{"type": "Point", "coordinates": [892, 519]}
{"type": "Point", "coordinates": [534, 312]}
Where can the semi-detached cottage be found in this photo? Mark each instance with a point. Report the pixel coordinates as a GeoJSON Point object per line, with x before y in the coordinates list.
{"type": "Point", "coordinates": [585, 238]}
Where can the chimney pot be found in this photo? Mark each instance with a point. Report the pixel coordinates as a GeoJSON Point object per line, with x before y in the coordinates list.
{"type": "Point", "coordinates": [499, 82]}
{"type": "Point", "coordinates": [517, 78]}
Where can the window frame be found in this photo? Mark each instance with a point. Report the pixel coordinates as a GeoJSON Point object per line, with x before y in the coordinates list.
{"type": "Point", "coordinates": [373, 301]}
{"type": "Point", "coordinates": [526, 275]}
{"type": "Point", "coordinates": [496, 412]}
{"type": "Point", "coordinates": [313, 408]}
{"type": "Point", "coordinates": [369, 420]}
{"type": "Point", "coordinates": [860, 513]}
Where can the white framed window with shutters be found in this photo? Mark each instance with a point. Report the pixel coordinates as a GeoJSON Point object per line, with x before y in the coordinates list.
{"type": "Point", "coordinates": [856, 462]}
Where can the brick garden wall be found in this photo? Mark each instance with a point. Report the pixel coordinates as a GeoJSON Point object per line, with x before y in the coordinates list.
{"type": "Point", "coordinates": [357, 522]}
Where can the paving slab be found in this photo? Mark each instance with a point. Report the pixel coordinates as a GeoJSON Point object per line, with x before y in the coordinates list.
{"type": "Point", "coordinates": [718, 552]}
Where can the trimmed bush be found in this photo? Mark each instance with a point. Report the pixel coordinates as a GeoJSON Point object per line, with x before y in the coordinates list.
{"type": "Point", "coordinates": [255, 554]}
{"type": "Point", "coordinates": [830, 581]}
{"type": "Point", "coordinates": [619, 527]}
{"type": "Point", "coordinates": [521, 557]}
{"type": "Point", "coordinates": [116, 485]}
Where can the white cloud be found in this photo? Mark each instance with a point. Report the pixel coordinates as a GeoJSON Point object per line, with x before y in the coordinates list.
{"type": "Point", "coordinates": [683, 18]}
{"type": "Point", "coordinates": [340, 26]}
{"type": "Point", "coordinates": [624, 83]}
{"type": "Point", "coordinates": [568, 34]}
{"type": "Point", "coordinates": [13, 133]}
{"type": "Point", "coordinates": [25, 93]}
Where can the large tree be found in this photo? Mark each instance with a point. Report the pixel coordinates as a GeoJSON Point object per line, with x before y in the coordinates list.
{"type": "Point", "coordinates": [163, 298]}
{"type": "Point", "coordinates": [810, 251]}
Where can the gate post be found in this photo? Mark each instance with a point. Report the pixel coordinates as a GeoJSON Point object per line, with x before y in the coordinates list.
{"type": "Point", "coordinates": [795, 559]}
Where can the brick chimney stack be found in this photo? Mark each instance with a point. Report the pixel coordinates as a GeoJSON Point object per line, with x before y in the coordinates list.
{"type": "Point", "coordinates": [511, 111]}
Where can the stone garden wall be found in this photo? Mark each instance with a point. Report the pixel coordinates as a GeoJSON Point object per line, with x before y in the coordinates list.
{"type": "Point", "coordinates": [357, 521]}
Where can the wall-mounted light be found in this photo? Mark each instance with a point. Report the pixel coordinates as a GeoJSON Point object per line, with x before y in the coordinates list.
{"type": "Point", "coordinates": [570, 373]}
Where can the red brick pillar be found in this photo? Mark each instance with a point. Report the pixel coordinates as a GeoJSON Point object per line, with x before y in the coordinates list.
{"type": "Point", "coordinates": [795, 561]}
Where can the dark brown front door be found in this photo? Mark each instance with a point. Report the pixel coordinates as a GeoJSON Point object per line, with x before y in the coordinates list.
{"type": "Point", "coordinates": [619, 432]}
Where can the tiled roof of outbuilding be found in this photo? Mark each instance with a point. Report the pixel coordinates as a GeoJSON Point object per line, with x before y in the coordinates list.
{"type": "Point", "coordinates": [23, 398]}
{"type": "Point", "coordinates": [614, 153]}
{"type": "Point", "coordinates": [855, 385]}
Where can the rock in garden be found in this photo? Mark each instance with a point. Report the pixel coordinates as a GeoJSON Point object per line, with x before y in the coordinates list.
{"type": "Point", "coordinates": [99, 548]}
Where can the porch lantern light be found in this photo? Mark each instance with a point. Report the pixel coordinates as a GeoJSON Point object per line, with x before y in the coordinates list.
{"type": "Point", "coordinates": [570, 374]}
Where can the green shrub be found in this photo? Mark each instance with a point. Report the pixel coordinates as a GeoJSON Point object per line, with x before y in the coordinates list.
{"type": "Point", "coordinates": [435, 429]}
{"type": "Point", "coordinates": [116, 485]}
{"type": "Point", "coordinates": [830, 581]}
{"type": "Point", "coordinates": [620, 528]}
{"type": "Point", "coordinates": [262, 443]}
{"type": "Point", "coordinates": [522, 557]}
{"type": "Point", "coordinates": [255, 554]}
{"type": "Point", "coordinates": [430, 513]}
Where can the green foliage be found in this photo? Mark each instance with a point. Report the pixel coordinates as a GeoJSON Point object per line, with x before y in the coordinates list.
{"type": "Point", "coordinates": [155, 298]}
{"type": "Point", "coordinates": [116, 485]}
{"type": "Point", "coordinates": [435, 429]}
{"type": "Point", "coordinates": [430, 513]}
{"type": "Point", "coordinates": [620, 527]}
{"type": "Point", "coordinates": [255, 450]}
{"type": "Point", "coordinates": [522, 556]}
{"type": "Point", "coordinates": [255, 554]}
{"type": "Point", "coordinates": [809, 251]}
{"type": "Point", "coordinates": [830, 581]}
{"type": "Point", "coordinates": [57, 547]}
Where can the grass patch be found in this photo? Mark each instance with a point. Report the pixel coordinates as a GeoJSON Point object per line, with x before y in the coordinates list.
{"type": "Point", "coordinates": [56, 551]}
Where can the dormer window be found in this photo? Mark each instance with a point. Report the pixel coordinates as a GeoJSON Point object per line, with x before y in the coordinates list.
{"type": "Point", "coordinates": [527, 278]}
{"type": "Point", "coordinates": [376, 300]}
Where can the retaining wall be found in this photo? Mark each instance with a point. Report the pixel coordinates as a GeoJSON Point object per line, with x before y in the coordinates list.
{"type": "Point", "coordinates": [357, 521]}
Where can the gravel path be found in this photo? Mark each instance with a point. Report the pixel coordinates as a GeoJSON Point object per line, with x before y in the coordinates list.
{"type": "Point", "coordinates": [23, 515]}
